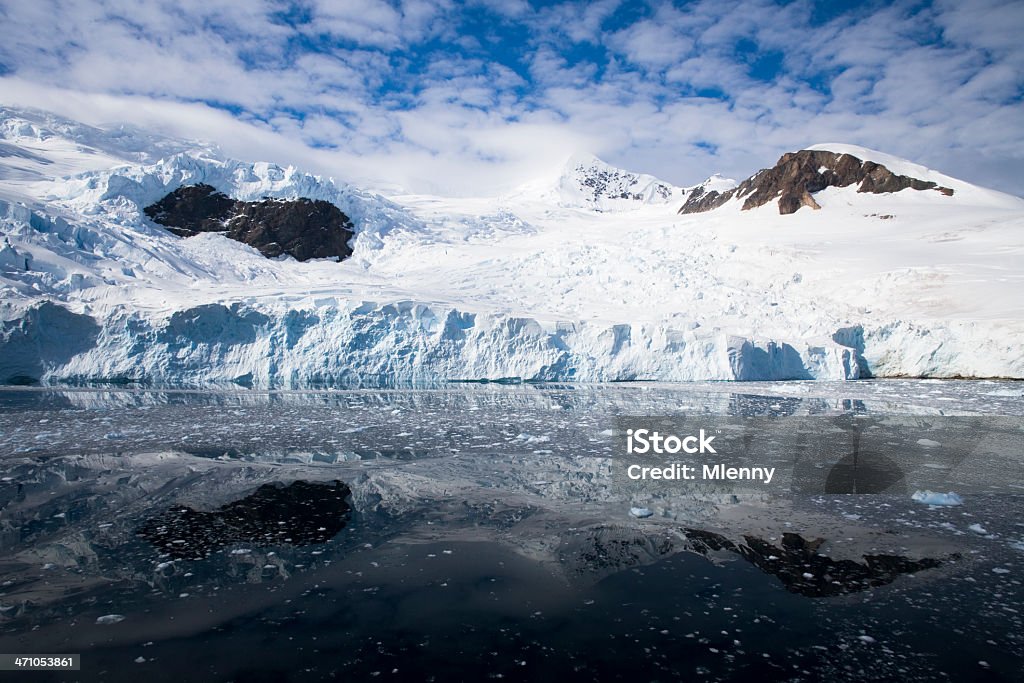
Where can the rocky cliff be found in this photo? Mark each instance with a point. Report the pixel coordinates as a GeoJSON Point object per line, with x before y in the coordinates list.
{"type": "Point", "coordinates": [798, 175]}
{"type": "Point", "coordinates": [302, 228]}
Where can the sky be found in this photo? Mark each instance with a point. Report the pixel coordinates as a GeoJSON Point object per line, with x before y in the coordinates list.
{"type": "Point", "coordinates": [464, 98]}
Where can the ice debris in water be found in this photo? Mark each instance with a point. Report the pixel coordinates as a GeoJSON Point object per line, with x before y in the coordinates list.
{"type": "Point", "coordinates": [933, 498]}
{"type": "Point", "coordinates": [108, 619]}
{"type": "Point", "coordinates": [978, 529]}
{"type": "Point", "coordinates": [640, 513]}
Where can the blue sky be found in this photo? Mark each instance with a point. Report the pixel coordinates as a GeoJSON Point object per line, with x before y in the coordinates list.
{"type": "Point", "coordinates": [472, 97]}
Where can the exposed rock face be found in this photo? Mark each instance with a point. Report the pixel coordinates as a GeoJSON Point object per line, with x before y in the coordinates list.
{"type": "Point", "coordinates": [700, 201]}
{"type": "Point", "coordinates": [798, 175]}
{"type": "Point", "coordinates": [302, 228]}
{"type": "Point", "coordinates": [193, 209]}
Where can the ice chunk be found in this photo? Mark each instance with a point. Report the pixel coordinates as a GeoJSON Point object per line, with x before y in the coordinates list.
{"type": "Point", "coordinates": [928, 443]}
{"type": "Point", "coordinates": [978, 529]}
{"type": "Point", "coordinates": [641, 513]}
{"type": "Point", "coordinates": [933, 498]}
{"type": "Point", "coordinates": [108, 619]}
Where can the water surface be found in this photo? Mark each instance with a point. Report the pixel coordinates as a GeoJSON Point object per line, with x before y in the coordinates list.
{"type": "Point", "coordinates": [475, 533]}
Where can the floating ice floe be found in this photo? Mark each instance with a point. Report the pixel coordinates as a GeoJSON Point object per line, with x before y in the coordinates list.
{"type": "Point", "coordinates": [978, 529]}
{"type": "Point", "coordinates": [108, 619]}
{"type": "Point", "coordinates": [641, 513]}
{"type": "Point", "coordinates": [933, 498]}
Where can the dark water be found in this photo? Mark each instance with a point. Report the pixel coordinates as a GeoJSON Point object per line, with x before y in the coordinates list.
{"type": "Point", "coordinates": [421, 536]}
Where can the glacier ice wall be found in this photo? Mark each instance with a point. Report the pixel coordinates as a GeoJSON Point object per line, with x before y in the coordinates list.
{"type": "Point", "coordinates": [349, 343]}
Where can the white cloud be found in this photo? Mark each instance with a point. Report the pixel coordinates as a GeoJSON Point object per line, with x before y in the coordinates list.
{"type": "Point", "coordinates": [345, 88]}
{"type": "Point", "coordinates": [650, 43]}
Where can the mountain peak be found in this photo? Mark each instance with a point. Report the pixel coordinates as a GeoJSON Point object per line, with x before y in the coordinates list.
{"type": "Point", "coordinates": [798, 176]}
{"type": "Point", "coordinates": [589, 182]}
{"type": "Point", "coordinates": [584, 160]}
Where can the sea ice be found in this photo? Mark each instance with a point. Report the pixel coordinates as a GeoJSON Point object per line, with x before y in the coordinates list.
{"type": "Point", "coordinates": [108, 619]}
{"type": "Point", "coordinates": [933, 498]}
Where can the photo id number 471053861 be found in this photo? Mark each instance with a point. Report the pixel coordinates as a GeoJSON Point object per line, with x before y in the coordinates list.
{"type": "Point", "coordinates": [48, 662]}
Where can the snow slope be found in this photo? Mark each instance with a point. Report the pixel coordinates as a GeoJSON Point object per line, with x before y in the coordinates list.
{"type": "Point", "coordinates": [565, 278]}
{"type": "Point", "coordinates": [965, 193]}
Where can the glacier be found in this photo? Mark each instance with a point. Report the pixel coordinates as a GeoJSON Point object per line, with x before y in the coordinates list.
{"type": "Point", "coordinates": [340, 343]}
{"type": "Point", "coordinates": [585, 275]}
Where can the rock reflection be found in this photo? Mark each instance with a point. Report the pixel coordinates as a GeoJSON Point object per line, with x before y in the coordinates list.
{"type": "Point", "coordinates": [803, 571]}
{"type": "Point", "coordinates": [300, 513]}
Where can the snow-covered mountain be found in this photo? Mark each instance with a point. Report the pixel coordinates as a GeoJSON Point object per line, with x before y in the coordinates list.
{"type": "Point", "coordinates": [798, 176]}
{"type": "Point", "coordinates": [586, 274]}
{"type": "Point", "coordinates": [586, 182]}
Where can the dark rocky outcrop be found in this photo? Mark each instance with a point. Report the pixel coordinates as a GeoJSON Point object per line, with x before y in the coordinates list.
{"type": "Point", "coordinates": [302, 228]}
{"type": "Point", "coordinates": [700, 201]}
{"type": "Point", "coordinates": [193, 209]}
{"type": "Point", "coordinates": [798, 175]}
